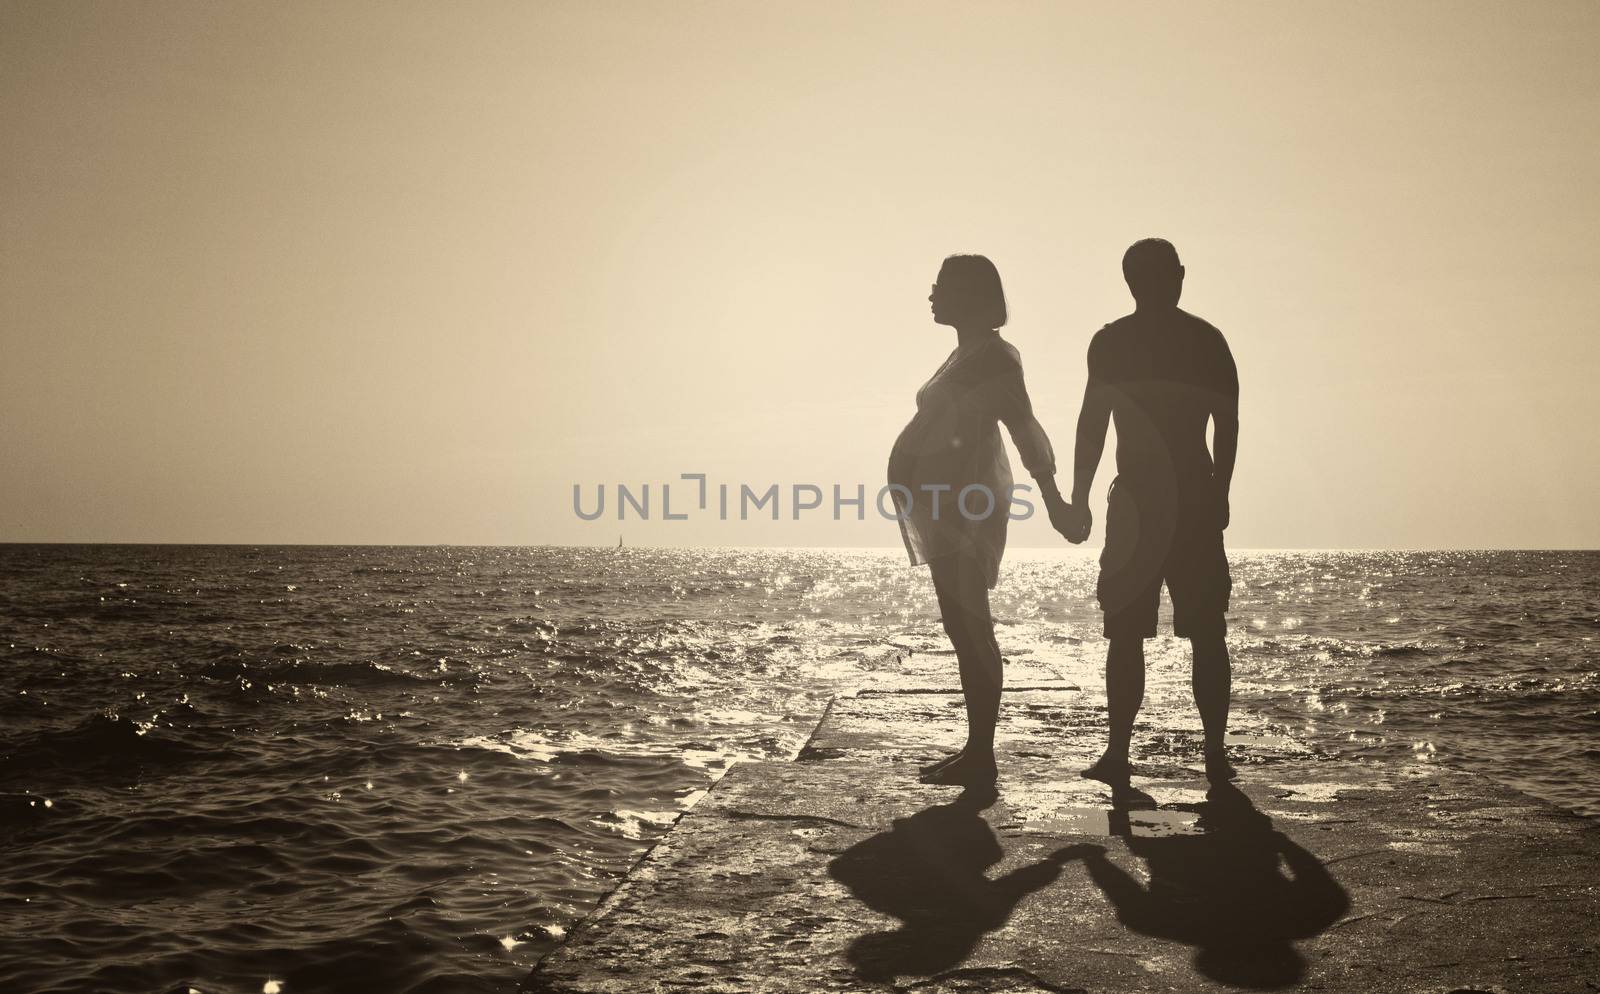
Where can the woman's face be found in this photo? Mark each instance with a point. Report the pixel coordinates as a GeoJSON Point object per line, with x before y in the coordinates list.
{"type": "Point", "coordinates": [936, 300]}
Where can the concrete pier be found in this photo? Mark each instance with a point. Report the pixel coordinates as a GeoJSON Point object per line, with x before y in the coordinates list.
{"type": "Point", "coordinates": [840, 872]}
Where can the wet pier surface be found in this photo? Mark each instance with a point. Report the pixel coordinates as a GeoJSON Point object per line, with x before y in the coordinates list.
{"type": "Point", "coordinates": [841, 872]}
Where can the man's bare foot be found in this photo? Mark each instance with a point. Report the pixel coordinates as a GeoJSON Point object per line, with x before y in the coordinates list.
{"type": "Point", "coordinates": [1110, 769]}
{"type": "Point", "coordinates": [966, 770]}
{"type": "Point", "coordinates": [1218, 769]}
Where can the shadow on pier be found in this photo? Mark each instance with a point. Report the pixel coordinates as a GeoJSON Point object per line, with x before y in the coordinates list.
{"type": "Point", "coordinates": [1235, 888]}
{"type": "Point", "coordinates": [928, 871]}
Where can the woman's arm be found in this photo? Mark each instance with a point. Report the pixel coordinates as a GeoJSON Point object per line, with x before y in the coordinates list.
{"type": "Point", "coordinates": [1014, 409]}
{"type": "Point", "coordinates": [1008, 395]}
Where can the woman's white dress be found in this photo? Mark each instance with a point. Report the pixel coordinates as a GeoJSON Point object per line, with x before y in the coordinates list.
{"type": "Point", "coordinates": [953, 443]}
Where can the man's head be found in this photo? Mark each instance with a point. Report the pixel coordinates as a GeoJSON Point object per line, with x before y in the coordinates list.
{"type": "Point", "coordinates": [1153, 272]}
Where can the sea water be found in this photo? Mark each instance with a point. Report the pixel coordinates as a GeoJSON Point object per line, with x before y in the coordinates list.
{"type": "Point", "coordinates": [237, 769]}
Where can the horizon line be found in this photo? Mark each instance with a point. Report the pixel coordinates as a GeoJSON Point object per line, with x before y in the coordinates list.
{"type": "Point", "coordinates": [774, 548]}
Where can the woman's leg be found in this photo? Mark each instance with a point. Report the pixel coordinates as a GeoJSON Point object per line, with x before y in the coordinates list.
{"type": "Point", "coordinates": [945, 587]}
{"type": "Point", "coordinates": [964, 608]}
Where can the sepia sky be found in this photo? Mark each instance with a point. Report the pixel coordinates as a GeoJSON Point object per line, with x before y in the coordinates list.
{"type": "Point", "coordinates": [311, 272]}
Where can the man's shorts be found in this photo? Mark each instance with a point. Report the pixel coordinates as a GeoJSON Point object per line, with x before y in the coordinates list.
{"type": "Point", "coordinates": [1155, 535]}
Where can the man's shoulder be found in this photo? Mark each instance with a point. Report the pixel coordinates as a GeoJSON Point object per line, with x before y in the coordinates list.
{"type": "Point", "coordinates": [1218, 357]}
{"type": "Point", "coordinates": [1201, 326]}
{"type": "Point", "coordinates": [1108, 335]}
{"type": "Point", "coordinates": [1108, 349]}
{"type": "Point", "coordinates": [1113, 328]}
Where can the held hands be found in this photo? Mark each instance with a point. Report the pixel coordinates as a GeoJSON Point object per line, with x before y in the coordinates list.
{"type": "Point", "coordinates": [1073, 521]}
{"type": "Point", "coordinates": [1079, 523]}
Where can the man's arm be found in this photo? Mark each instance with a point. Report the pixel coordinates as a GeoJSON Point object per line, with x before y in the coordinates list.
{"type": "Point", "coordinates": [1225, 445]}
{"type": "Point", "coordinates": [1093, 419]}
{"type": "Point", "coordinates": [1225, 432]}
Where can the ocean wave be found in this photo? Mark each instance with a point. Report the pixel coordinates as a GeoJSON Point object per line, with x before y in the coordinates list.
{"type": "Point", "coordinates": [105, 740]}
{"type": "Point", "coordinates": [300, 671]}
{"type": "Point", "coordinates": [1406, 649]}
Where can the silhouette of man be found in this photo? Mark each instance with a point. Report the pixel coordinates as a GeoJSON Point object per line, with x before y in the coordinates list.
{"type": "Point", "coordinates": [1161, 373]}
{"type": "Point", "coordinates": [1240, 891]}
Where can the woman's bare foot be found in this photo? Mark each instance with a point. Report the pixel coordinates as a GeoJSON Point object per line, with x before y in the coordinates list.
{"type": "Point", "coordinates": [1109, 769]}
{"type": "Point", "coordinates": [941, 764]}
{"type": "Point", "coordinates": [967, 769]}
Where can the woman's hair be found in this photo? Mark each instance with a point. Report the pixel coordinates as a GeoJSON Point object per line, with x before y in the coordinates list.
{"type": "Point", "coordinates": [971, 289]}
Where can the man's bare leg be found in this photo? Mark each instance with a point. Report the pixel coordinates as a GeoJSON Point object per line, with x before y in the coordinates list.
{"type": "Point", "coordinates": [1213, 686]}
{"type": "Point", "coordinates": [1124, 695]}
